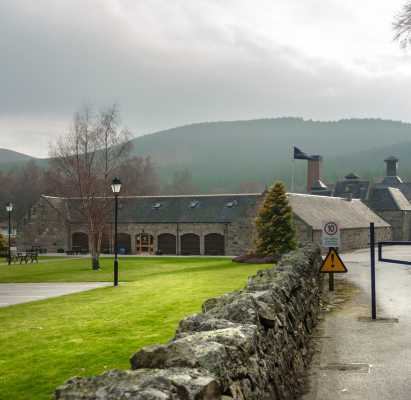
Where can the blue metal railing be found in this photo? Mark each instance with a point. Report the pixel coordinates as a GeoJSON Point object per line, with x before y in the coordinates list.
{"type": "Point", "coordinates": [392, 244]}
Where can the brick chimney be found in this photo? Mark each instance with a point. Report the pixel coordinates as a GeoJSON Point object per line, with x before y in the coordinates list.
{"type": "Point", "coordinates": [314, 171]}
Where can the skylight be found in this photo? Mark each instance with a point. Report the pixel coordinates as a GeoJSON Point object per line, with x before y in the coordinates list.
{"type": "Point", "coordinates": [230, 204]}
{"type": "Point", "coordinates": [156, 205]}
{"type": "Point", "coordinates": [193, 204]}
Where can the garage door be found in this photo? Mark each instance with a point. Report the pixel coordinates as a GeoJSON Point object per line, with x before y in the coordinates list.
{"type": "Point", "coordinates": [167, 243]}
{"type": "Point", "coordinates": [191, 243]}
{"type": "Point", "coordinates": [80, 239]}
{"type": "Point", "coordinates": [124, 240]}
{"type": "Point", "coordinates": [214, 241]}
{"type": "Point", "coordinates": [105, 241]}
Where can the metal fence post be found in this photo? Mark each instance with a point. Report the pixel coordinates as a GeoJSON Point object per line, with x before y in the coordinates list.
{"type": "Point", "coordinates": [372, 249]}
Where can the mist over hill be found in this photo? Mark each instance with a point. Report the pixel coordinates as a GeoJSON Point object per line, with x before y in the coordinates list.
{"type": "Point", "coordinates": [222, 154]}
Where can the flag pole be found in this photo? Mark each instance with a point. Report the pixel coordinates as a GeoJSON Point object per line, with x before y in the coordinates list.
{"type": "Point", "coordinates": [292, 173]}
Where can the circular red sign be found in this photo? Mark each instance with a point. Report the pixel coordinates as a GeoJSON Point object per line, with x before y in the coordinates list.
{"type": "Point", "coordinates": [330, 228]}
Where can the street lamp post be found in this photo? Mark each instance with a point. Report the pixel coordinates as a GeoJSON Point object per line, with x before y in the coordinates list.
{"type": "Point", "coordinates": [115, 187]}
{"type": "Point", "coordinates": [9, 208]}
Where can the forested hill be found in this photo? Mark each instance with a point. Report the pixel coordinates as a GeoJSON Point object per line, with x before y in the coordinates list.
{"type": "Point", "coordinates": [12, 156]}
{"type": "Point", "coordinates": [268, 138]}
{"type": "Point", "coordinates": [223, 153]}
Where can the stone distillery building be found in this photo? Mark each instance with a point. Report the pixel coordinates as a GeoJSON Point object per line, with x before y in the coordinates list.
{"type": "Point", "coordinates": [195, 224]}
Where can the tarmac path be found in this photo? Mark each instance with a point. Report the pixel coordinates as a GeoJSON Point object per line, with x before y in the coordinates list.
{"type": "Point", "coordinates": [360, 359]}
{"type": "Point", "coordinates": [16, 293]}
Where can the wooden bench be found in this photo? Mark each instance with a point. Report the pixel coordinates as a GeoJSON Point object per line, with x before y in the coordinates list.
{"type": "Point", "coordinates": [13, 256]}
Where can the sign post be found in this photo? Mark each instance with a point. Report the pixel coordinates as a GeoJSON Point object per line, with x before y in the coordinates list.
{"type": "Point", "coordinates": [332, 264]}
{"type": "Point", "coordinates": [331, 239]}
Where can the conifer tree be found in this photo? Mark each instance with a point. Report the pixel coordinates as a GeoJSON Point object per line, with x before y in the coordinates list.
{"type": "Point", "coordinates": [275, 230]}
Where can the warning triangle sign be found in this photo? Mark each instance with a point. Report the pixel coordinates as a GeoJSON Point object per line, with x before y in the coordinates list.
{"type": "Point", "coordinates": [333, 263]}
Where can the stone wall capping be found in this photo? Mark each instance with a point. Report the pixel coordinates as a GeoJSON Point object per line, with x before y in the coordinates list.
{"type": "Point", "coordinates": [247, 344]}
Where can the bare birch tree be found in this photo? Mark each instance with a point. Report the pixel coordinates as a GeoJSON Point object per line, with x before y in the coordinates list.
{"type": "Point", "coordinates": [402, 26]}
{"type": "Point", "coordinates": [84, 160]}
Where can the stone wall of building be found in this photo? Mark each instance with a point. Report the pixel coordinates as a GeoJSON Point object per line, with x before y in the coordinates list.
{"type": "Point", "coordinates": [155, 229]}
{"type": "Point", "coordinates": [355, 238]}
{"type": "Point", "coordinates": [400, 222]}
{"type": "Point", "coordinates": [248, 344]}
{"type": "Point", "coordinates": [304, 231]}
{"type": "Point", "coordinates": [241, 231]}
{"type": "Point", "coordinates": [42, 225]}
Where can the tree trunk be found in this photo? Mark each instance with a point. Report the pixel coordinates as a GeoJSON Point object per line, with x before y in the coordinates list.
{"type": "Point", "coordinates": [95, 260]}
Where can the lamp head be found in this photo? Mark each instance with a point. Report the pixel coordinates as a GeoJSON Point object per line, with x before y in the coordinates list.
{"type": "Point", "coordinates": [116, 185]}
{"type": "Point", "coordinates": [9, 207]}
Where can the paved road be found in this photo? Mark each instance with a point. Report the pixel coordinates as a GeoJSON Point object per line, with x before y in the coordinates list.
{"type": "Point", "coordinates": [16, 293]}
{"type": "Point", "coordinates": [384, 349]}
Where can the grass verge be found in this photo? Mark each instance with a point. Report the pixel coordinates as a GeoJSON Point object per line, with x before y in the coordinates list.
{"type": "Point", "coordinates": [87, 333]}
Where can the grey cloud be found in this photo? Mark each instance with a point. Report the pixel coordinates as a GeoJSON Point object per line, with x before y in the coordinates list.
{"type": "Point", "coordinates": [171, 63]}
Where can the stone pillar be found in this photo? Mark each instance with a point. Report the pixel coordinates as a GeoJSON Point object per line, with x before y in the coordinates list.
{"type": "Point", "coordinates": [202, 247]}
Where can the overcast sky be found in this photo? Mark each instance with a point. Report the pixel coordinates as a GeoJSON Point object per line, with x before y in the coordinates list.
{"type": "Point", "coordinates": [177, 62]}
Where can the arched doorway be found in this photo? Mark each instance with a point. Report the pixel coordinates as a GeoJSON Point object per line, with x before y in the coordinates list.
{"type": "Point", "coordinates": [167, 243]}
{"type": "Point", "coordinates": [80, 239]}
{"type": "Point", "coordinates": [105, 241]}
{"type": "Point", "coordinates": [144, 243]}
{"type": "Point", "coordinates": [214, 241]}
{"type": "Point", "coordinates": [190, 243]}
{"type": "Point", "coordinates": [124, 240]}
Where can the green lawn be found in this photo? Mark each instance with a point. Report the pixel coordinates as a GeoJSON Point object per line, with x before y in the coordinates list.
{"type": "Point", "coordinates": [87, 333]}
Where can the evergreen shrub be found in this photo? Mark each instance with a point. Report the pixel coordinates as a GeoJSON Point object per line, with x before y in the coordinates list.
{"type": "Point", "coordinates": [275, 229]}
{"type": "Point", "coordinates": [4, 247]}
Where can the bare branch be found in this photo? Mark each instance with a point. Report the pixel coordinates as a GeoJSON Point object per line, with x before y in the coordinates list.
{"type": "Point", "coordinates": [402, 27]}
{"type": "Point", "coordinates": [83, 160]}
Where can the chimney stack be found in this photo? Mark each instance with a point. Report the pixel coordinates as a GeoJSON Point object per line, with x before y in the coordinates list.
{"type": "Point", "coordinates": [314, 171]}
{"type": "Point", "coordinates": [347, 194]}
{"type": "Point", "coordinates": [392, 168]}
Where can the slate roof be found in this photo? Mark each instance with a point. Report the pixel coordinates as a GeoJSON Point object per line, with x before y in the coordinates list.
{"type": "Point", "coordinates": [318, 186]}
{"type": "Point", "coordinates": [391, 158]}
{"type": "Point", "coordinates": [405, 188]}
{"type": "Point", "coordinates": [351, 176]}
{"type": "Point", "coordinates": [360, 189]}
{"type": "Point", "coordinates": [173, 209]}
{"type": "Point", "coordinates": [320, 189]}
{"type": "Point", "coordinates": [389, 180]}
{"type": "Point", "coordinates": [315, 209]}
{"type": "Point", "coordinates": [388, 199]}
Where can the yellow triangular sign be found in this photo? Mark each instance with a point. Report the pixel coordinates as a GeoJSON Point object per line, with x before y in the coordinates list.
{"type": "Point", "coordinates": [333, 263]}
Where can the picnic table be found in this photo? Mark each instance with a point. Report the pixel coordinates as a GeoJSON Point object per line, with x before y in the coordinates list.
{"type": "Point", "coordinates": [77, 250]}
{"type": "Point", "coordinates": [36, 248]}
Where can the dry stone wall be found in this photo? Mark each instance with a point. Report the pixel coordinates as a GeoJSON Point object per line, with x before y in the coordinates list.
{"type": "Point", "coordinates": [248, 344]}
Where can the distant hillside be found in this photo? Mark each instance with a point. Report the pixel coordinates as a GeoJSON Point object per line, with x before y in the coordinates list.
{"type": "Point", "coordinates": [13, 156]}
{"type": "Point", "coordinates": [222, 154]}
{"type": "Point", "coordinates": [369, 164]}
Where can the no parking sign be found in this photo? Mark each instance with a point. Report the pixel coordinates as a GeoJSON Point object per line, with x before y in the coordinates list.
{"type": "Point", "coordinates": [331, 234]}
